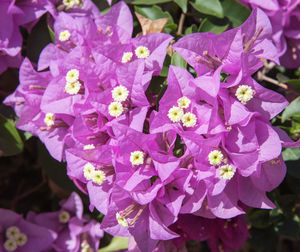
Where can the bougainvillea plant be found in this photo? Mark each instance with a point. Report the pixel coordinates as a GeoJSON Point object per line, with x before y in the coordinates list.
{"type": "Point", "coordinates": [176, 121]}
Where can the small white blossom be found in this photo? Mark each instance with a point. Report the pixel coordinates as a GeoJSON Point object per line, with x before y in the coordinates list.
{"type": "Point", "coordinates": [244, 93]}
{"type": "Point", "coordinates": [72, 88]}
{"type": "Point", "coordinates": [226, 172]}
{"type": "Point", "coordinates": [64, 217]}
{"type": "Point", "coordinates": [49, 119]}
{"type": "Point", "coordinates": [121, 220]}
{"type": "Point", "coordinates": [137, 157]}
{"type": "Point", "coordinates": [64, 35]}
{"type": "Point", "coordinates": [127, 56]}
{"type": "Point", "coordinates": [88, 147]}
{"type": "Point", "coordinates": [115, 109]}
{"type": "Point", "coordinates": [72, 75]}
{"type": "Point", "coordinates": [21, 239]}
{"type": "Point", "coordinates": [189, 119]}
{"type": "Point", "coordinates": [120, 93]}
{"type": "Point", "coordinates": [98, 177]}
{"type": "Point", "coordinates": [183, 102]}
{"type": "Point", "coordinates": [88, 171]}
{"type": "Point", "coordinates": [175, 114]}
{"type": "Point", "coordinates": [215, 157]}
{"type": "Point", "coordinates": [142, 52]}
{"type": "Point", "coordinates": [12, 232]}
{"type": "Point", "coordinates": [69, 3]}
{"type": "Point", "coordinates": [10, 245]}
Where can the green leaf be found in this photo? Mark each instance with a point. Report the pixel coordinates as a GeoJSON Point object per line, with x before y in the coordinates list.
{"type": "Point", "coordinates": [293, 109]}
{"type": "Point", "coordinates": [52, 34]}
{"type": "Point", "coordinates": [177, 60]}
{"type": "Point", "coordinates": [208, 26]}
{"type": "Point", "coordinates": [191, 29]}
{"type": "Point", "coordinates": [289, 227]}
{"type": "Point", "coordinates": [117, 243]}
{"type": "Point", "coordinates": [295, 83]}
{"type": "Point", "coordinates": [291, 154]}
{"type": "Point", "coordinates": [55, 170]}
{"type": "Point", "coordinates": [211, 7]}
{"type": "Point", "coordinates": [153, 12]}
{"type": "Point", "coordinates": [165, 69]}
{"type": "Point", "coordinates": [263, 240]}
{"type": "Point", "coordinates": [260, 218]}
{"type": "Point", "coordinates": [10, 140]}
{"type": "Point", "coordinates": [236, 12]}
{"type": "Point", "coordinates": [182, 4]}
{"type": "Point", "coordinates": [150, 2]}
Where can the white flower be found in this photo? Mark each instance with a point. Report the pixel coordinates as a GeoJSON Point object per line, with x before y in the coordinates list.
{"type": "Point", "coordinates": [183, 102]}
{"type": "Point", "coordinates": [189, 119]}
{"type": "Point", "coordinates": [115, 109]}
{"type": "Point", "coordinates": [72, 88]}
{"type": "Point", "coordinates": [98, 177]}
{"type": "Point", "coordinates": [12, 232]}
{"type": "Point", "coordinates": [88, 147]}
{"type": "Point", "coordinates": [120, 93]}
{"type": "Point", "coordinates": [64, 217]}
{"type": "Point", "coordinates": [88, 171]}
{"type": "Point", "coordinates": [72, 75]}
{"type": "Point", "coordinates": [137, 157]}
{"type": "Point", "coordinates": [64, 35]}
{"type": "Point", "coordinates": [175, 114]}
{"type": "Point", "coordinates": [69, 3]}
{"type": "Point", "coordinates": [226, 172]}
{"type": "Point", "coordinates": [127, 56]}
{"type": "Point", "coordinates": [21, 239]}
{"type": "Point", "coordinates": [49, 119]}
{"type": "Point", "coordinates": [121, 220]}
{"type": "Point", "coordinates": [10, 245]}
{"type": "Point", "coordinates": [142, 52]}
{"type": "Point", "coordinates": [215, 157]}
{"type": "Point", "coordinates": [244, 93]}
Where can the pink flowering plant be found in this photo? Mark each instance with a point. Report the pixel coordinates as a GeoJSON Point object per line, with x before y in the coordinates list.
{"type": "Point", "coordinates": [166, 125]}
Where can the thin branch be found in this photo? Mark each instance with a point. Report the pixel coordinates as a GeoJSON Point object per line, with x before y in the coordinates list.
{"type": "Point", "coordinates": [262, 77]}
{"type": "Point", "coordinates": [180, 25]}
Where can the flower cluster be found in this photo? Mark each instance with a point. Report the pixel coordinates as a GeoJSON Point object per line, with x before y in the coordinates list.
{"type": "Point", "coordinates": [285, 20]}
{"type": "Point", "coordinates": [207, 149]}
{"type": "Point", "coordinates": [25, 13]}
{"type": "Point", "coordinates": [64, 230]}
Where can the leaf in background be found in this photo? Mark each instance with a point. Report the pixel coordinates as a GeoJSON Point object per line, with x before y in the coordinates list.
{"type": "Point", "coordinates": [165, 69]}
{"type": "Point", "coordinates": [263, 240]}
{"type": "Point", "coordinates": [153, 12]}
{"type": "Point", "coordinates": [295, 83]}
{"type": "Point", "coordinates": [211, 7]}
{"type": "Point", "coordinates": [150, 2]}
{"type": "Point", "coordinates": [177, 60]}
{"type": "Point", "coordinates": [208, 26]}
{"type": "Point", "coordinates": [117, 243]}
{"type": "Point", "coordinates": [289, 227]}
{"type": "Point", "coordinates": [151, 26]}
{"type": "Point", "coordinates": [260, 218]}
{"type": "Point", "coordinates": [55, 170]}
{"type": "Point", "coordinates": [52, 34]}
{"type": "Point", "coordinates": [291, 154]}
{"type": "Point", "coordinates": [182, 4]}
{"type": "Point", "coordinates": [235, 11]}
{"type": "Point", "coordinates": [191, 29]}
{"type": "Point", "coordinates": [292, 110]}
{"type": "Point", "coordinates": [10, 140]}
{"type": "Point", "coordinates": [291, 157]}
{"type": "Point", "coordinates": [38, 39]}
